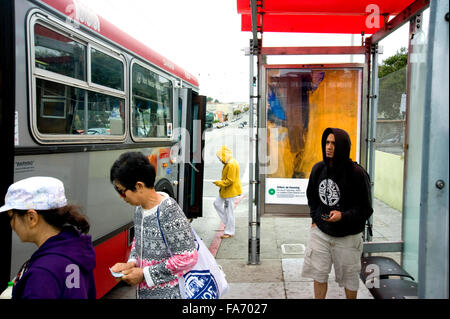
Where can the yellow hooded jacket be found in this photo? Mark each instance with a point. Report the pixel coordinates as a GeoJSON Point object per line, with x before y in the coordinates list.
{"type": "Point", "coordinates": [230, 185]}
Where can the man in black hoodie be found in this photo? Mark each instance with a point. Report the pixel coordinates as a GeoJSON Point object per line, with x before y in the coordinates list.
{"type": "Point", "coordinates": [339, 199]}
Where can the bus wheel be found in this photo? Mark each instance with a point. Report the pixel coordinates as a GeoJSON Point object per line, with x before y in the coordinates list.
{"type": "Point", "coordinates": [163, 185]}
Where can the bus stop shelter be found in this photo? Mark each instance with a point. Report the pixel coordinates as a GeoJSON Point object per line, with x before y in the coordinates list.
{"type": "Point", "coordinates": [425, 146]}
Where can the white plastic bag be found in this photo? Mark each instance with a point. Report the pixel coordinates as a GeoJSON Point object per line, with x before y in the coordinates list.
{"type": "Point", "coordinates": [7, 293]}
{"type": "Point", "coordinates": [207, 279]}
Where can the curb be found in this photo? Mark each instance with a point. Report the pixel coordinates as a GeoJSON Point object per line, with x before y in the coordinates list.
{"type": "Point", "coordinates": [217, 240]}
{"type": "Point", "coordinates": [215, 243]}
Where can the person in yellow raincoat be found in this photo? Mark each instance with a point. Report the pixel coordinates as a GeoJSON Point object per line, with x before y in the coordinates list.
{"type": "Point", "coordinates": [230, 189]}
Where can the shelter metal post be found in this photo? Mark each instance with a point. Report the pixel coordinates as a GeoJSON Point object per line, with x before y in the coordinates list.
{"type": "Point", "coordinates": [373, 113]}
{"type": "Point", "coordinates": [253, 223]}
{"type": "Point", "coordinates": [251, 162]}
{"type": "Point", "coordinates": [254, 245]}
{"type": "Point", "coordinates": [434, 217]}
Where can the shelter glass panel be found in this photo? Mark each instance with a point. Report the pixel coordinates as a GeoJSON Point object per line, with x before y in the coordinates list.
{"type": "Point", "coordinates": [389, 155]}
{"type": "Point", "coordinates": [416, 109]}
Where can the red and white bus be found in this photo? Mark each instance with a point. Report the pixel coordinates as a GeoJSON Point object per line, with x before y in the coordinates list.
{"type": "Point", "coordinates": [76, 92]}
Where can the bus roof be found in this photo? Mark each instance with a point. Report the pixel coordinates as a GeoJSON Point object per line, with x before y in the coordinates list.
{"type": "Point", "coordinates": [93, 21]}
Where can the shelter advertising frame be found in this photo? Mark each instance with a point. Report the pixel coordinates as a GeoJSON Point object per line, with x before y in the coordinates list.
{"type": "Point", "coordinates": [295, 109]}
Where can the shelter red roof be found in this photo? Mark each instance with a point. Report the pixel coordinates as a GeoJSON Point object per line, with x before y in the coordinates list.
{"type": "Point", "coordinates": [322, 16]}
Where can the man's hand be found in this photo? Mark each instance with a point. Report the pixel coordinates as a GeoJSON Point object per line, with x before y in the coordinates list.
{"type": "Point", "coordinates": [133, 276]}
{"type": "Point", "coordinates": [335, 216]}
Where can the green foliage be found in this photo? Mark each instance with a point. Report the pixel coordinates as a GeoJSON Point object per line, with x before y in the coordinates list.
{"type": "Point", "coordinates": [211, 100]}
{"type": "Point", "coordinates": [393, 63]}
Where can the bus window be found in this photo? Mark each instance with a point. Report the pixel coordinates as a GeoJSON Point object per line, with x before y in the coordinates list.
{"type": "Point", "coordinates": [106, 70]}
{"type": "Point", "coordinates": [105, 114]}
{"type": "Point", "coordinates": [64, 109]}
{"type": "Point", "coordinates": [57, 53]}
{"type": "Point", "coordinates": [152, 103]}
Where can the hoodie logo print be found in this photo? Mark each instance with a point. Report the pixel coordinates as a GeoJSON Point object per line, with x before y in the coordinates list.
{"type": "Point", "coordinates": [329, 192]}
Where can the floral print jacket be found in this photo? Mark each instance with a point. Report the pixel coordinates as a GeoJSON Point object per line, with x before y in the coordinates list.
{"type": "Point", "coordinates": [161, 269]}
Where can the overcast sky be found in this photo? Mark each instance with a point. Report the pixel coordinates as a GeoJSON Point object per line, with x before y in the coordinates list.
{"type": "Point", "coordinates": [201, 36]}
{"type": "Point", "coordinates": [204, 38]}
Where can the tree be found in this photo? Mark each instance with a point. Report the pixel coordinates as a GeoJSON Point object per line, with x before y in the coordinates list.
{"type": "Point", "coordinates": [392, 76]}
{"type": "Point", "coordinates": [393, 63]}
{"type": "Point", "coordinates": [211, 100]}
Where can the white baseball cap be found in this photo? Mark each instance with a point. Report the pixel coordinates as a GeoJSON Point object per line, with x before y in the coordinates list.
{"type": "Point", "coordinates": [39, 193]}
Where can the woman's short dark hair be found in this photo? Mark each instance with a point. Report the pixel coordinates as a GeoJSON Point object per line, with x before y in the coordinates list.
{"type": "Point", "coordinates": [133, 167]}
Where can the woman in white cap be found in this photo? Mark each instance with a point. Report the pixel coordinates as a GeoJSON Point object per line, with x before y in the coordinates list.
{"type": "Point", "coordinates": [62, 266]}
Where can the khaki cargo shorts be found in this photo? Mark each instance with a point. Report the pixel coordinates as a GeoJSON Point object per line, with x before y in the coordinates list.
{"type": "Point", "coordinates": [343, 252]}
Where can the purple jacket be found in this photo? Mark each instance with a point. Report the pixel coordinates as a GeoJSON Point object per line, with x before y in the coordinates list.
{"type": "Point", "coordinates": [62, 268]}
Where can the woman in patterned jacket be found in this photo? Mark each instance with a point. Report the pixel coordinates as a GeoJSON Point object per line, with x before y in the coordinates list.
{"type": "Point", "coordinates": [151, 266]}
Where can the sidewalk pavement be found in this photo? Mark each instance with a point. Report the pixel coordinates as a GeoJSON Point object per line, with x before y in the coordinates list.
{"type": "Point", "coordinates": [282, 251]}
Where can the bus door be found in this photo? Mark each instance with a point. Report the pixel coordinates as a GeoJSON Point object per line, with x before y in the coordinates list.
{"type": "Point", "coordinates": [7, 116]}
{"type": "Point", "coordinates": [192, 114]}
